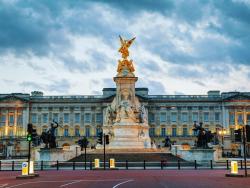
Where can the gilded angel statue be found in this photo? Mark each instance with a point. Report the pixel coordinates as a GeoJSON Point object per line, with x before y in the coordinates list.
{"type": "Point", "coordinates": [125, 44]}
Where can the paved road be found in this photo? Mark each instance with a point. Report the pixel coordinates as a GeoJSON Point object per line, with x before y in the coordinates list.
{"type": "Point", "coordinates": [123, 178]}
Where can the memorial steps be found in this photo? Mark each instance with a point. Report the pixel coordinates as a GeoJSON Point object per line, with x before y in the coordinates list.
{"type": "Point", "coordinates": [135, 159]}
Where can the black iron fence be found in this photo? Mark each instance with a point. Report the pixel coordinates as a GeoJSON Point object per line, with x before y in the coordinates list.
{"type": "Point", "coordinates": [123, 165]}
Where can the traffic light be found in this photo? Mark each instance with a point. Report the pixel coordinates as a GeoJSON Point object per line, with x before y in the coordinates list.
{"type": "Point", "coordinates": [107, 139]}
{"type": "Point", "coordinates": [29, 137]}
{"type": "Point", "coordinates": [248, 133]}
{"type": "Point", "coordinates": [237, 135]}
{"type": "Point", "coordinates": [99, 138]}
{"type": "Point", "coordinates": [30, 128]}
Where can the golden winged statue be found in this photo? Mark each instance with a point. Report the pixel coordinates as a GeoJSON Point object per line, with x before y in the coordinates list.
{"type": "Point", "coordinates": [125, 44]}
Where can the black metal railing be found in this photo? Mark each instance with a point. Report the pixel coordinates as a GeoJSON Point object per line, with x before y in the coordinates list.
{"type": "Point", "coordinates": [124, 165]}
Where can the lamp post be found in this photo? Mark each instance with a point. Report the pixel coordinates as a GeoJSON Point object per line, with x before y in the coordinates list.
{"type": "Point", "coordinates": [222, 133]}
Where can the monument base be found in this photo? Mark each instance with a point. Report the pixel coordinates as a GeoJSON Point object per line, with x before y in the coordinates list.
{"type": "Point", "coordinates": [198, 154]}
{"type": "Point", "coordinates": [129, 136]}
{"type": "Point", "coordinates": [56, 154]}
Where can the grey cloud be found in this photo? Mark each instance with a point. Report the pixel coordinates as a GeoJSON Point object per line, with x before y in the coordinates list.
{"type": "Point", "coordinates": [96, 92]}
{"type": "Point", "coordinates": [199, 83]}
{"type": "Point", "coordinates": [154, 87]}
{"type": "Point", "coordinates": [210, 71]}
{"type": "Point", "coordinates": [132, 6]}
{"type": "Point", "coordinates": [59, 86]}
{"type": "Point", "coordinates": [39, 26]}
{"type": "Point", "coordinates": [98, 61]}
{"type": "Point", "coordinates": [32, 85]}
{"type": "Point", "coordinates": [183, 72]}
{"type": "Point", "coordinates": [178, 93]}
{"type": "Point", "coordinates": [109, 83]}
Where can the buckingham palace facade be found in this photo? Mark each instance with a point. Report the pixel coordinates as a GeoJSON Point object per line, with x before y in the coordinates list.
{"type": "Point", "coordinates": [81, 115]}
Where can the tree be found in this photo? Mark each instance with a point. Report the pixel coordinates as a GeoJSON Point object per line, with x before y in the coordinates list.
{"type": "Point", "coordinates": [83, 143]}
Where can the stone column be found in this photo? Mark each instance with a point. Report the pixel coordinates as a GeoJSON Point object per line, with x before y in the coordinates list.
{"type": "Point", "coordinates": [125, 83]}
{"type": "Point", "coordinates": [15, 122]}
{"type": "Point", "coordinates": [7, 122]}
{"type": "Point", "coordinates": [244, 116]}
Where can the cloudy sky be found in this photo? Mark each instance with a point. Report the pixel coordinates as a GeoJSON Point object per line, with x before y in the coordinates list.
{"type": "Point", "coordinates": [70, 47]}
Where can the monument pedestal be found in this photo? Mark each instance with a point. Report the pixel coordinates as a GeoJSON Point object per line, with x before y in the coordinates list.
{"type": "Point", "coordinates": [130, 136]}
{"type": "Point", "coordinates": [56, 154]}
{"type": "Point", "coordinates": [192, 154]}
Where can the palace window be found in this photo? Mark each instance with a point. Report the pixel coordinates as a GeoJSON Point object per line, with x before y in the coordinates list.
{"type": "Point", "coordinates": [173, 117]}
{"type": "Point", "coordinates": [248, 119]}
{"type": "Point", "coordinates": [195, 116]}
{"type": "Point", "coordinates": [56, 117]}
{"type": "Point", "coordinates": [231, 118]}
{"type": "Point", "coordinates": [152, 131]}
{"type": "Point", "coordinates": [217, 116]}
{"type": "Point", "coordinates": [87, 118]}
{"type": "Point", "coordinates": [2, 120]}
{"type": "Point", "coordinates": [66, 118]}
{"type": "Point", "coordinates": [45, 118]}
{"type": "Point", "coordinates": [240, 118]}
{"type": "Point", "coordinates": [206, 116]}
{"type": "Point", "coordinates": [98, 117]}
{"type": "Point", "coordinates": [77, 118]}
{"type": "Point", "coordinates": [184, 117]}
{"type": "Point", "coordinates": [195, 108]}
{"type": "Point", "coordinates": [19, 119]}
{"type": "Point", "coordinates": [151, 117]}
{"type": "Point", "coordinates": [66, 132]}
{"type": "Point", "coordinates": [163, 117]}
{"type": "Point", "coordinates": [87, 132]}
{"type": "Point", "coordinates": [184, 131]}
{"type": "Point", "coordinates": [77, 132]}
{"type": "Point", "coordinates": [33, 118]}
{"type": "Point", "coordinates": [163, 131]}
{"type": "Point", "coordinates": [174, 131]}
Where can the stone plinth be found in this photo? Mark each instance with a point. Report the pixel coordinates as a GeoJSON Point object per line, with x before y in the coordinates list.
{"type": "Point", "coordinates": [130, 136]}
{"type": "Point", "coordinates": [198, 154]}
{"type": "Point", "coordinates": [56, 154]}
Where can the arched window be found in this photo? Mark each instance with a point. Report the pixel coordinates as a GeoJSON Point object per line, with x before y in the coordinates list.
{"type": "Point", "coordinates": [77, 131]}
{"type": "Point", "coordinates": [163, 131]}
{"type": "Point", "coordinates": [87, 131]}
{"type": "Point", "coordinates": [184, 131]}
{"type": "Point", "coordinates": [66, 131]}
{"type": "Point", "coordinates": [174, 131]}
{"type": "Point", "coordinates": [151, 131]}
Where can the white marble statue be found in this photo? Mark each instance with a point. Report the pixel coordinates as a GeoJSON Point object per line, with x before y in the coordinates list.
{"type": "Point", "coordinates": [142, 114]}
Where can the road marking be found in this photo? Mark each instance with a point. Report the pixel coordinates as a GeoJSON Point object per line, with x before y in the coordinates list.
{"type": "Point", "coordinates": [3, 185]}
{"type": "Point", "coordinates": [70, 183]}
{"type": "Point", "coordinates": [31, 182]}
{"type": "Point", "coordinates": [122, 183]}
{"type": "Point", "coordinates": [61, 181]}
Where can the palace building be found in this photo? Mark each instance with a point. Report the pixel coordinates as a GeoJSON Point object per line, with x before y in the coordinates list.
{"type": "Point", "coordinates": [81, 115]}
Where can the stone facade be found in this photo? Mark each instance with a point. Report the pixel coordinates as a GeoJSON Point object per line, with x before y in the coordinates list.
{"type": "Point", "coordinates": [171, 115]}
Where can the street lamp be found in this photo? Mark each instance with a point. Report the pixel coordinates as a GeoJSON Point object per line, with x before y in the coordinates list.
{"type": "Point", "coordinates": [222, 133]}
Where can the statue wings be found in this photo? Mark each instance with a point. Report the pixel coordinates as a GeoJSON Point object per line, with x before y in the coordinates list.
{"type": "Point", "coordinates": [128, 42]}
